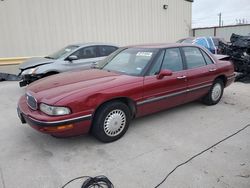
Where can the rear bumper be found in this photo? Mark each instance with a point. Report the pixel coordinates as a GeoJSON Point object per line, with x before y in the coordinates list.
{"type": "Point", "coordinates": [64, 127]}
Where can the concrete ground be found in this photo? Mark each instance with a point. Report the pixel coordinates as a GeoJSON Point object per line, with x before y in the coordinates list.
{"type": "Point", "coordinates": [150, 149]}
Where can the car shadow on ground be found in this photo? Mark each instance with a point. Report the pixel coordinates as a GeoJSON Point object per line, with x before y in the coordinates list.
{"type": "Point", "coordinates": [168, 112]}
{"type": "Point", "coordinates": [90, 141]}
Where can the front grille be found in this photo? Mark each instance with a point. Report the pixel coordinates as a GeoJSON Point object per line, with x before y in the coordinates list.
{"type": "Point", "coordinates": [31, 101]}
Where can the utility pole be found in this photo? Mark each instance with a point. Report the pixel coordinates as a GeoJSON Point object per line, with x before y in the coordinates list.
{"type": "Point", "coordinates": [219, 19]}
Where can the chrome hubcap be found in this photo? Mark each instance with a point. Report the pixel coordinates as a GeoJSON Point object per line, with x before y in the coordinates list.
{"type": "Point", "coordinates": [114, 123]}
{"type": "Point", "coordinates": [216, 92]}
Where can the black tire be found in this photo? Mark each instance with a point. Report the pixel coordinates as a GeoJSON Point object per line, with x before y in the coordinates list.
{"type": "Point", "coordinates": [101, 129]}
{"type": "Point", "coordinates": [209, 99]}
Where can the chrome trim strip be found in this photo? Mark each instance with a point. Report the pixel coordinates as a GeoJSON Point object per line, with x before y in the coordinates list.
{"type": "Point", "coordinates": [199, 87]}
{"type": "Point", "coordinates": [172, 94]}
{"type": "Point", "coordinates": [61, 121]}
{"type": "Point", "coordinates": [161, 97]}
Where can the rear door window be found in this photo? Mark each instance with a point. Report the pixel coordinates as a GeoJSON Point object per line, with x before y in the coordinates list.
{"type": "Point", "coordinates": [207, 58]}
{"type": "Point", "coordinates": [193, 57]}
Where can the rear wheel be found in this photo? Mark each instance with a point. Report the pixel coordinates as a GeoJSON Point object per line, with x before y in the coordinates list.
{"type": "Point", "coordinates": [215, 93]}
{"type": "Point", "coordinates": [111, 121]}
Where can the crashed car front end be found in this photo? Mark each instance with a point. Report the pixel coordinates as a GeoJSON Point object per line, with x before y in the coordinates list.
{"type": "Point", "coordinates": [28, 76]}
{"type": "Point", "coordinates": [30, 70]}
{"type": "Point", "coordinates": [239, 52]}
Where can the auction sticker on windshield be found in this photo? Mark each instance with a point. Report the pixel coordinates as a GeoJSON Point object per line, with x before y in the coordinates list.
{"type": "Point", "coordinates": [147, 54]}
{"type": "Point", "coordinates": [67, 50]}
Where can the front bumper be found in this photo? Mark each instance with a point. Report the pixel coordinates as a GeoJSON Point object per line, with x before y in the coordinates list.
{"type": "Point", "coordinates": [63, 127]}
{"type": "Point", "coordinates": [29, 78]}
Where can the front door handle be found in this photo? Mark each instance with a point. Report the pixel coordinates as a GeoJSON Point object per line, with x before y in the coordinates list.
{"type": "Point", "coordinates": [212, 70]}
{"type": "Point", "coordinates": [181, 77]}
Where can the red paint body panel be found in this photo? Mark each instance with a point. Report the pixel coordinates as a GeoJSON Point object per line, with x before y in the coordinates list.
{"type": "Point", "coordinates": [84, 91]}
{"type": "Point", "coordinates": [168, 85]}
{"type": "Point", "coordinates": [78, 129]}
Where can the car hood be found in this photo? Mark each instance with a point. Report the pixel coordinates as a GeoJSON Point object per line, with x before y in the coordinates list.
{"type": "Point", "coordinates": [54, 88]}
{"type": "Point", "coordinates": [35, 61]}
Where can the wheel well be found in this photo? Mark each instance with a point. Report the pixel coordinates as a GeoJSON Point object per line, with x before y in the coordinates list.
{"type": "Point", "coordinates": [223, 78]}
{"type": "Point", "coordinates": [129, 102]}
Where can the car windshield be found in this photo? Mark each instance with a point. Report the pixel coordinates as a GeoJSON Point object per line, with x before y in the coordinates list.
{"type": "Point", "coordinates": [63, 52]}
{"type": "Point", "coordinates": [131, 61]}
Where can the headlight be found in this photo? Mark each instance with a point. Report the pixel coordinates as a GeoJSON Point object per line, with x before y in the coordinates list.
{"type": "Point", "coordinates": [29, 71]}
{"type": "Point", "coordinates": [54, 110]}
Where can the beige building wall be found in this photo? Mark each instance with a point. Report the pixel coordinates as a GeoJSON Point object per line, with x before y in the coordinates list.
{"type": "Point", "coordinates": [40, 27]}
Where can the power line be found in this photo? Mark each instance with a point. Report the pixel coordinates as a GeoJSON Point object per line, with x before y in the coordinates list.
{"type": "Point", "coordinates": [198, 154]}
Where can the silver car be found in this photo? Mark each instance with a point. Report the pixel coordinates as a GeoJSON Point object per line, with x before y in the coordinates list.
{"type": "Point", "coordinates": [72, 57]}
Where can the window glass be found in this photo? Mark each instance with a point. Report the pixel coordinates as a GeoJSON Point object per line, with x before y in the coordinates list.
{"type": "Point", "coordinates": [194, 57]}
{"type": "Point", "coordinates": [131, 61]}
{"type": "Point", "coordinates": [63, 52]}
{"type": "Point", "coordinates": [208, 59]}
{"type": "Point", "coordinates": [210, 42]}
{"type": "Point", "coordinates": [85, 53]}
{"type": "Point", "coordinates": [216, 41]}
{"type": "Point", "coordinates": [202, 42]}
{"type": "Point", "coordinates": [106, 50]}
{"type": "Point", "coordinates": [157, 65]}
{"type": "Point", "coordinates": [172, 60]}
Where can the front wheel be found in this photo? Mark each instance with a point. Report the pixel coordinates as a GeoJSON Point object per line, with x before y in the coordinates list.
{"type": "Point", "coordinates": [111, 121]}
{"type": "Point", "coordinates": [215, 93]}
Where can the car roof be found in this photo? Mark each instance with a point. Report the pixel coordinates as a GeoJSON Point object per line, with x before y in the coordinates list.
{"type": "Point", "coordinates": [93, 44]}
{"type": "Point", "coordinates": [161, 45]}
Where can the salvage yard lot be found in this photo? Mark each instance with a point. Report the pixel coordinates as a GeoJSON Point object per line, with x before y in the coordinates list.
{"type": "Point", "coordinates": [150, 149]}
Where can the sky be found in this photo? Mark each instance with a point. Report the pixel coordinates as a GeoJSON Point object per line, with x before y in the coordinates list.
{"type": "Point", "coordinates": [205, 12]}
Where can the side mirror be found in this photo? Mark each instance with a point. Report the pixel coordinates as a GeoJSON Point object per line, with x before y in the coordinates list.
{"type": "Point", "coordinates": [72, 58]}
{"type": "Point", "coordinates": [164, 73]}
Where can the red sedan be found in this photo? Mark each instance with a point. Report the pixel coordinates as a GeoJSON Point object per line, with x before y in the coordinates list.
{"type": "Point", "coordinates": [133, 81]}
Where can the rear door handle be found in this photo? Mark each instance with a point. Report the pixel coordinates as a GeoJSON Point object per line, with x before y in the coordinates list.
{"type": "Point", "coordinates": [181, 77]}
{"type": "Point", "coordinates": [212, 70]}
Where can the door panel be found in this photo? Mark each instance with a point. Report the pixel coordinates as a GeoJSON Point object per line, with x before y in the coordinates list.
{"type": "Point", "coordinates": [199, 83]}
{"type": "Point", "coordinates": [86, 57]}
{"type": "Point", "coordinates": [160, 94]}
{"type": "Point", "coordinates": [200, 75]}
